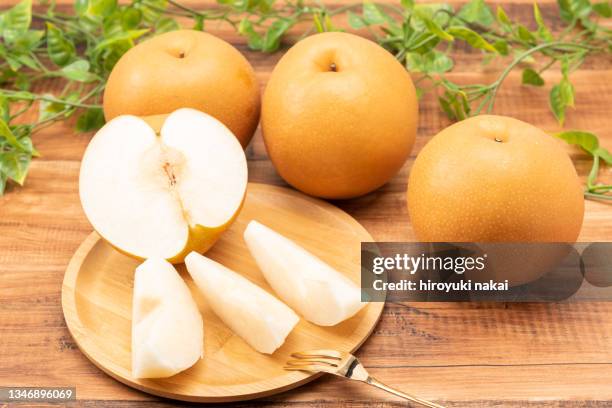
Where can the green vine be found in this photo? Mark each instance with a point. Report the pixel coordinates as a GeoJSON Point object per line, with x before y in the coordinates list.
{"type": "Point", "coordinates": [82, 47]}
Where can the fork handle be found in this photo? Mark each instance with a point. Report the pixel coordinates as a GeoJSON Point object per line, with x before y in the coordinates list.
{"type": "Point", "coordinates": [373, 381]}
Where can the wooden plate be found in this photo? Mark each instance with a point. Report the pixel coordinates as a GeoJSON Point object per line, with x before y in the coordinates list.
{"type": "Point", "coordinates": [97, 303]}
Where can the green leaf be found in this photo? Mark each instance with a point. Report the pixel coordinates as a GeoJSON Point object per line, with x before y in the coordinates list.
{"type": "Point", "coordinates": [604, 154]}
{"type": "Point", "coordinates": [567, 93]}
{"type": "Point", "coordinates": [455, 104]}
{"type": "Point", "coordinates": [60, 49]}
{"type": "Point", "coordinates": [265, 6]}
{"type": "Point", "coordinates": [586, 140]}
{"type": "Point", "coordinates": [421, 14]}
{"type": "Point", "coordinates": [91, 119]}
{"type": "Point", "coordinates": [446, 108]}
{"type": "Point", "coordinates": [48, 109]}
{"type": "Point", "coordinates": [28, 41]}
{"type": "Point", "coordinates": [571, 10]}
{"type": "Point", "coordinates": [503, 20]}
{"type": "Point", "coordinates": [581, 8]}
{"type": "Point", "coordinates": [152, 10]}
{"type": "Point", "coordinates": [80, 7]}
{"type": "Point", "coordinates": [407, 4]}
{"type": "Point", "coordinates": [438, 62]}
{"type": "Point", "coordinates": [604, 9]}
{"type": "Point", "coordinates": [23, 82]}
{"type": "Point", "coordinates": [166, 24]}
{"type": "Point", "coordinates": [556, 104]}
{"type": "Point", "coordinates": [372, 14]}
{"type": "Point", "coordinates": [561, 97]}
{"type": "Point", "coordinates": [566, 88]}
{"type": "Point", "coordinates": [476, 11]}
{"type": "Point", "coordinates": [440, 13]}
{"type": "Point", "coordinates": [355, 21]}
{"type": "Point", "coordinates": [3, 178]}
{"type": "Point", "coordinates": [14, 165]}
{"type": "Point", "coordinates": [5, 109]}
{"type": "Point", "coordinates": [273, 36]}
{"type": "Point", "coordinates": [199, 23]}
{"type": "Point", "coordinates": [123, 40]}
{"type": "Point", "coordinates": [78, 71]}
{"type": "Point", "coordinates": [112, 25]}
{"type": "Point", "coordinates": [7, 134]}
{"type": "Point", "coordinates": [254, 39]}
{"type": "Point", "coordinates": [319, 25]}
{"type": "Point", "coordinates": [501, 46]}
{"type": "Point", "coordinates": [16, 21]}
{"type": "Point", "coordinates": [525, 35]}
{"type": "Point", "coordinates": [28, 61]}
{"type": "Point", "coordinates": [543, 31]}
{"type": "Point", "coordinates": [430, 62]}
{"type": "Point", "coordinates": [23, 132]}
{"type": "Point", "coordinates": [101, 8]}
{"type": "Point", "coordinates": [565, 10]}
{"type": "Point", "coordinates": [471, 37]}
{"type": "Point", "coordinates": [13, 62]}
{"type": "Point", "coordinates": [131, 18]}
{"type": "Point", "coordinates": [531, 77]}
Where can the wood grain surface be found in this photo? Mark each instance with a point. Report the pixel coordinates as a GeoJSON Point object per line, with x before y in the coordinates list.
{"type": "Point", "coordinates": [461, 355]}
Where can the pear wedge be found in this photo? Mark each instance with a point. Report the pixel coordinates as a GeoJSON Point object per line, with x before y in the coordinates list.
{"type": "Point", "coordinates": [259, 318]}
{"type": "Point", "coordinates": [167, 327]}
{"type": "Point", "coordinates": [318, 292]}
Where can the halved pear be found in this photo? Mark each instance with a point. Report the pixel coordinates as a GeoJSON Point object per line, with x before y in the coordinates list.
{"type": "Point", "coordinates": [167, 327]}
{"type": "Point", "coordinates": [259, 318]}
{"type": "Point", "coordinates": [318, 292]}
{"type": "Point", "coordinates": [163, 192]}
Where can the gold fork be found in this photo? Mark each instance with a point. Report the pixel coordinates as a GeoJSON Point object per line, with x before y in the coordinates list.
{"type": "Point", "coordinates": [344, 365]}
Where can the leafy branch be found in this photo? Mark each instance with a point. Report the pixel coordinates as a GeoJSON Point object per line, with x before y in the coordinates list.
{"type": "Point", "coordinates": [82, 47]}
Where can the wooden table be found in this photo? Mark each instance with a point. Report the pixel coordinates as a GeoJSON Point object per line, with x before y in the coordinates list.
{"type": "Point", "coordinates": [510, 355]}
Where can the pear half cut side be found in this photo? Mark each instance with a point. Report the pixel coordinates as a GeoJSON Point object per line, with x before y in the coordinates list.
{"type": "Point", "coordinates": [163, 193]}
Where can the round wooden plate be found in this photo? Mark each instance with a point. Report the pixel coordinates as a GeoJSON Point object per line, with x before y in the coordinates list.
{"type": "Point", "coordinates": [97, 303]}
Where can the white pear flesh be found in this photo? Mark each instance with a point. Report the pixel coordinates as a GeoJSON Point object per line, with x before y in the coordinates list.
{"type": "Point", "coordinates": [167, 327]}
{"type": "Point", "coordinates": [260, 319]}
{"type": "Point", "coordinates": [147, 194]}
{"type": "Point", "coordinates": [311, 287]}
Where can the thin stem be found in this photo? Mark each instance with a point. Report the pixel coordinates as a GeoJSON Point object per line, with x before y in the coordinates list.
{"type": "Point", "coordinates": [598, 196]}
{"type": "Point", "coordinates": [94, 91]}
{"type": "Point", "coordinates": [593, 173]}
{"type": "Point", "coordinates": [185, 8]}
{"type": "Point", "coordinates": [548, 65]}
{"type": "Point", "coordinates": [422, 43]}
{"type": "Point", "coordinates": [34, 97]}
{"type": "Point", "coordinates": [64, 23]}
{"type": "Point", "coordinates": [496, 85]}
{"type": "Point", "coordinates": [342, 9]}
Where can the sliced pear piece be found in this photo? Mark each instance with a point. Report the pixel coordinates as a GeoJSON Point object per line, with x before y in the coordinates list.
{"type": "Point", "coordinates": [167, 327]}
{"type": "Point", "coordinates": [318, 292]}
{"type": "Point", "coordinates": [259, 318]}
{"type": "Point", "coordinates": [163, 194]}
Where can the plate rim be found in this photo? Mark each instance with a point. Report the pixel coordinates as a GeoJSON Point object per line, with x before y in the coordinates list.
{"type": "Point", "coordinates": [78, 330]}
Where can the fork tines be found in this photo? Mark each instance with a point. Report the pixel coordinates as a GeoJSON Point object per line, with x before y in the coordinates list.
{"type": "Point", "coordinates": [314, 360]}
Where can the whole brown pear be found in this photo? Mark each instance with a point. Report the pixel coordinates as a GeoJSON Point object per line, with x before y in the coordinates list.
{"type": "Point", "coordinates": [186, 69]}
{"type": "Point", "coordinates": [494, 179]}
{"type": "Point", "coordinates": [339, 115]}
